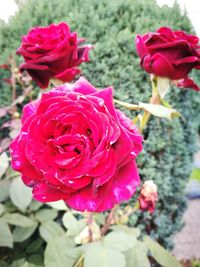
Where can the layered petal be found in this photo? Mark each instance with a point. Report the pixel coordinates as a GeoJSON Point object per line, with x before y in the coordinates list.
{"type": "Point", "coordinates": [74, 145]}
{"type": "Point", "coordinates": [52, 52]}
{"type": "Point", "coordinates": [170, 54]}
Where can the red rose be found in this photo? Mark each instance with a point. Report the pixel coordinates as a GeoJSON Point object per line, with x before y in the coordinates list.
{"type": "Point", "coordinates": [74, 145]}
{"type": "Point", "coordinates": [171, 54]}
{"type": "Point", "coordinates": [52, 53]}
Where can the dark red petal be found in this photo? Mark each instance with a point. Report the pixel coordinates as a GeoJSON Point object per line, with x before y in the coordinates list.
{"type": "Point", "coordinates": [45, 193]}
{"type": "Point", "coordinates": [68, 74]}
{"type": "Point", "coordinates": [82, 86]}
{"type": "Point", "coordinates": [158, 64]}
{"type": "Point", "coordinates": [141, 47]}
{"type": "Point", "coordinates": [120, 188]}
{"type": "Point", "coordinates": [188, 83]}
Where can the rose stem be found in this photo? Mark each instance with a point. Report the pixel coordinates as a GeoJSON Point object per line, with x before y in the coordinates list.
{"type": "Point", "coordinates": [109, 219]}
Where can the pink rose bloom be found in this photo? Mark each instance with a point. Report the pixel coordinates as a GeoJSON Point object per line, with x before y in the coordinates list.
{"type": "Point", "coordinates": [148, 196]}
{"type": "Point", "coordinates": [52, 52]}
{"type": "Point", "coordinates": [171, 54]}
{"type": "Point", "coordinates": [74, 145]}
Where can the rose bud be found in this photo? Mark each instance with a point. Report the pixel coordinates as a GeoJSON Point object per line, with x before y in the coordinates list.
{"type": "Point", "coordinates": [75, 146]}
{"type": "Point", "coordinates": [52, 52]}
{"type": "Point", "coordinates": [170, 54]}
{"type": "Point", "coordinates": [148, 196]}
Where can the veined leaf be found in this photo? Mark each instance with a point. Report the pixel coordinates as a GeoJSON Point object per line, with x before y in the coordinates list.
{"type": "Point", "coordinates": [20, 194]}
{"type": "Point", "coordinates": [161, 255]}
{"type": "Point", "coordinates": [18, 219]}
{"type": "Point", "coordinates": [119, 240]}
{"type": "Point", "coordinates": [160, 111]}
{"type": "Point", "coordinates": [99, 255]}
{"type": "Point", "coordinates": [56, 253]}
{"type": "Point", "coordinates": [6, 239]}
{"type": "Point", "coordinates": [4, 162]}
{"type": "Point", "coordinates": [20, 234]}
{"type": "Point", "coordinates": [49, 230]}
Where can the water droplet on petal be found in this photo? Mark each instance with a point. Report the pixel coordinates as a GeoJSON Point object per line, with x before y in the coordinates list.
{"type": "Point", "coordinates": [133, 153]}
{"type": "Point", "coordinates": [101, 103]}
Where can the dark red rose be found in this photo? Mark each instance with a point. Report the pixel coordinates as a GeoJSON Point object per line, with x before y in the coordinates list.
{"type": "Point", "coordinates": [171, 54]}
{"type": "Point", "coordinates": [52, 52]}
{"type": "Point", "coordinates": [74, 145]}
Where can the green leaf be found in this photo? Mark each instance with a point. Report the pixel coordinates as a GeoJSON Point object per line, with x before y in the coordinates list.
{"type": "Point", "coordinates": [121, 241]}
{"type": "Point", "coordinates": [49, 230]}
{"type": "Point", "coordinates": [35, 205]}
{"type": "Point", "coordinates": [36, 259]}
{"type": "Point", "coordinates": [18, 263]}
{"type": "Point", "coordinates": [58, 205]}
{"type": "Point", "coordinates": [127, 105]}
{"type": "Point", "coordinates": [137, 256]}
{"type": "Point", "coordinates": [101, 256]}
{"type": "Point", "coordinates": [35, 245]}
{"type": "Point", "coordinates": [160, 111]}
{"type": "Point", "coordinates": [100, 218]}
{"type": "Point", "coordinates": [6, 239]}
{"type": "Point", "coordinates": [56, 253]}
{"type": "Point", "coordinates": [71, 224]}
{"type": "Point", "coordinates": [28, 264]}
{"type": "Point", "coordinates": [3, 263]}
{"type": "Point", "coordinates": [46, 215]}
{"type": "Point", "coordinates": [20, 234]}
{"type": "Point", "coordinates": [4, 163]}
{"type": "Point", "coordinates": [18, 219]}
{"type": "Point", "coordinates": [163, 85]}
{"type": "Point", "coordinates": [20, 194]}
{"type": "Point", "coordinates": [161, 255]}
{"type": "Point", "coordinates": [4, 189]}
{"type": "Point", "coordinates": [135, 231]}
{"type": "Point", "coordinates": [1, 209]}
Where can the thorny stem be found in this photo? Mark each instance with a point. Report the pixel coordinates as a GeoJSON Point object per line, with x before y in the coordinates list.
{"type": "Point", "coordinates": [110, 218]}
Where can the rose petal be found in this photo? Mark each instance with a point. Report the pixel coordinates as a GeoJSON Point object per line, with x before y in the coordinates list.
{"type": "Point", "coordinates": [44, 193]}
{"type": "Point", "coordinates": [188, 83]}
{"type": "Point", "coordinates": [118, 189]}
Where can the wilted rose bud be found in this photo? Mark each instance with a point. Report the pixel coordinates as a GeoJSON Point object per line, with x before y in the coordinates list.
{"type": "Point", "coordinates": [148, 196]}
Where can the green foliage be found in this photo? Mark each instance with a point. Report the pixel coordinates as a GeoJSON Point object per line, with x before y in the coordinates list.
{"type": "Point", "coordinates": [20, 194]}
{"type": "Point", "coordinates": [102, 256]}
{"type": "Point", "coordinates": [160, 255]}
{"type": "Point", "coordinates": [6, 236]}
{"type": "Point", "coordinates": [111, 27]}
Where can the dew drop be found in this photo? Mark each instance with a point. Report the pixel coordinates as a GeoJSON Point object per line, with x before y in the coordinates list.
{"type": "Point", "coordinates": [101, 103]}
{"type": "Point", "coordinates": [133, 153]}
